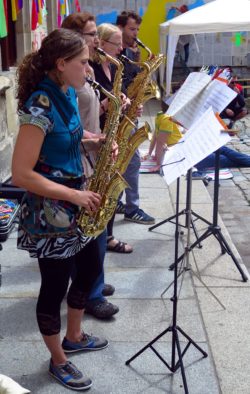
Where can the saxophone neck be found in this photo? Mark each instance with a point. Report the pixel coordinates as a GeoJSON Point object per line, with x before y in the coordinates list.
{"type": "Point", "coordinates": [124, 59]}
{"type": "Point", "coordinates": [117, 85]}
{"type": "Point", "coordinates": [108, 57]}
{"type": "Point", "coordinates": [97, 86]}
{"type": "Point", "coordinates": [140, 43]}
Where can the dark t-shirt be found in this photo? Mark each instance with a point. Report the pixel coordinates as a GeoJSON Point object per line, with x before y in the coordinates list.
{"type": "Point", "coordinates": [103, 80]}
{"type": "Point", "coordinates": [130, 70]}
{"type": "Point", "coordinates": [106, 83]}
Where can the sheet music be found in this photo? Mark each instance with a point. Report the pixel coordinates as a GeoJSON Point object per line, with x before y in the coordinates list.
{"type": "Point", "coordinates": [203, 138]}
{"type": "Point", "coordinates": [193, 85]}
{"type": "Point", "coordinates": [216, 95]}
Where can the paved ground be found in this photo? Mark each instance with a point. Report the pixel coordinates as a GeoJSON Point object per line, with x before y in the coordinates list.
{"type": "Point", "coordinates": [213, 308]}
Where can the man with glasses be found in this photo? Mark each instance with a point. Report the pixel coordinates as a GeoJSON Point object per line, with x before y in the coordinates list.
{"type": "Point", "coordinates": [129, 23]}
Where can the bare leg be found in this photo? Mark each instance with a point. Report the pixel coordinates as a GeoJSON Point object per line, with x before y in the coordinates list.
{"type": "Point", "coordinates": [74, 334]}
{"type": "Point", "coordinates": [53, 343]}
{"type": "Point", "coordinates": [74, 320]}
{"type": "Point", "coordinates": [152, 145]}
{"type": "Point", "coordinates": [229, 113]}
{"type": "Point", "coordinates": [160, 147]}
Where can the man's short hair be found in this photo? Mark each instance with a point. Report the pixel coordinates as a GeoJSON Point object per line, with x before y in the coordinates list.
{"type": "Point", "coordinates": [122, 18]}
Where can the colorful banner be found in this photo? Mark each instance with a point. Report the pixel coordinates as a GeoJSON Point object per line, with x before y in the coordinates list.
{"type": "Point", "coordinates": [34, 14]}
{"type": "Point", "coordinates": [64, 8]}
{"type": "Point", "coordinates": [3, 24]}
{"type": "Point", "coordinates": [78, 8]}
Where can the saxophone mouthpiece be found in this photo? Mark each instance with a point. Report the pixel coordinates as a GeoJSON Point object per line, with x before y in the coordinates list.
{"type": "Point", "coordinates": [93, 83]}
{"type": "Point", "coordinates": [89, 80]}
{"type": "Point", "coordinates": [123, 59]}
{"type": "Point", "coordinates": [101, 51]}
{"type": "Point", "coordinates": [144, 47]}
{"type": "Point", "coordinates": [140, 43]}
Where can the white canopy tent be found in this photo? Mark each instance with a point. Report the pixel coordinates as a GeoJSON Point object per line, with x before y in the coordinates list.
{"type": "Point", "coordinates": [214, 17]}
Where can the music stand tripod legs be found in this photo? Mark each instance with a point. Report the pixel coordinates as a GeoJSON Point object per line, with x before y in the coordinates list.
{"type": "Point", "coordinates": [187, 211]}
{"type": "Point", "coordinates": [213, 228]}
{"type": "Point", "coordinates": [174, 328]}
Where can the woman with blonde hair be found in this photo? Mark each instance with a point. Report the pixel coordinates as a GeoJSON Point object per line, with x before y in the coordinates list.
{"type": "Point", "coordinates": [110, 37]}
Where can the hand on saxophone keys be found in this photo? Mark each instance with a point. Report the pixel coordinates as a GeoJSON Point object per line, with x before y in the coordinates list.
{"type": "Point", "coordinates": [86, 199]}
{"type": "Point", "coordinates": [95, 144]}
{"type": "Point", "coordinates": [114, 150]}
{"type": "Point", "coordinates": [125, 102]}
{"type": "Point", "coordinates": [91, 144]}
{"type": "Point", "coordinates": [114, 147]}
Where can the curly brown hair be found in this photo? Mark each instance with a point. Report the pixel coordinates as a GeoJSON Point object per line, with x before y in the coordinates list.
{"type": "Point", "coordinates": [60, 43]}
{"type": "Point", "coordinates": [77, 21]}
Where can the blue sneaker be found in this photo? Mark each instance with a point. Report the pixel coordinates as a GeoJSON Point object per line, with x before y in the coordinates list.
{"type": "Point", "coordinates": [120, 208]}
{"type": "Point", "coordinates": [69, 375]}
{"type": "Point", "coordinates": [88, 342]}
{"type": "Point", "coordinates": [139, 216]}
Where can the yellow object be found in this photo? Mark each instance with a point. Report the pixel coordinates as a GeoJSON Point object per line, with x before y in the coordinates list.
{"type": "Point", "coordinates": [13, 10]}
{"type": "Point", "coordinates": [40, 12]}
{"type": "Point", "coordinates": [63, 8]}
{"type": "Point", "coordinates": [163, 124]}
{"type": "Point", "coordinates": [149, 29]}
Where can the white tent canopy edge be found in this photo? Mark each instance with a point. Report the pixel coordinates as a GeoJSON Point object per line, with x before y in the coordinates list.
{"type": "Point", "coordinates": [214, 17]}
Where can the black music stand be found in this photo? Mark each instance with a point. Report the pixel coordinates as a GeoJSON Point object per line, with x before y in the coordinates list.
{"type": "Point", "coordinates": [186, 266]}
{"type": "Point", "coordinates": [174, 328]}
{"type": "Point", "coordinates": [213, 228]}
{"type": "Point", "coordinates": [187, 211]}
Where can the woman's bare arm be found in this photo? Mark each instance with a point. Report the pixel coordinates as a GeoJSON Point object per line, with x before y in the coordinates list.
{"type": "Point", "coordinates": [26, 154]}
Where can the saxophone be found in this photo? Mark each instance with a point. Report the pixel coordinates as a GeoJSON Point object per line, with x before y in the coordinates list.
{"type": "Point", "coordinates": [141, 89]}
{"type": "Point", "coordinates": [106, 179]}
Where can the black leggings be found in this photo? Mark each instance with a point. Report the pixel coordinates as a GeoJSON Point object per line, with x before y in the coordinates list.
{"type": "Point", "coordinates": [55, 274]}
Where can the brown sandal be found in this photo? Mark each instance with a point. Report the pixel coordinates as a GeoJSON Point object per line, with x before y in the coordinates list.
{"type": "Point", "coordinates": [119, 247]}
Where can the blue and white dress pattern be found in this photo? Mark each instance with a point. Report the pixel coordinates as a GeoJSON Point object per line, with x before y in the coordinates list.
{"type": "Point", "coordinates": [47, 227]}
